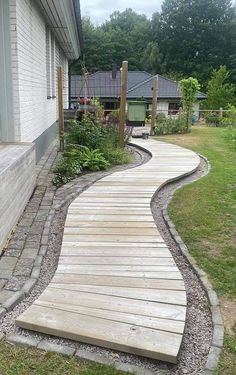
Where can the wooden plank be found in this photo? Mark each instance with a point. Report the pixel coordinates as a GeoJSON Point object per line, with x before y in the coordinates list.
{"type": "Point", "coordinates": [145, 294]}
{"type": "Point", "coordinates": [102, 217]}
{"type": "Point", "coordinates": [90, 268]}
{"type": "Point", "coordinates": [73, 237]}
{"type": "Point", "coordinates": [113, 303]}
{"type": "Point", "coordinates": [108, 224]}
{"type": "Point", "coordinates": [131, 274]}
{"type": "Point", "coordinates": [113, 230]}
{"type": "Point", "coordinates": [101, 251]}
{"type": "Point", "coordinates": [115, 335]}
{"type": "Point", "coordinates": [119, 281]}
{"type": "Point", "coordinates": [169, 325]}
{"type": "Point", "coordinates": [119, 260]}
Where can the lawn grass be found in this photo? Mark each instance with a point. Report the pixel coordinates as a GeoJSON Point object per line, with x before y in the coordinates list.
{"type": "Point", "coordinates": [25, 361]}
{"type": "Point", "coordinates": [205, 216]}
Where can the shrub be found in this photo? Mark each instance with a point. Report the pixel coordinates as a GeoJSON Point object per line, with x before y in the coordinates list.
{"type": "Point", "coordinates": [94, 160]}
{"type": "Point", "coordinates": [213, 119]}
{"type": "Point", "coordinates": [117, 156]}
{"type": "Point", "coordinates": [169, 125]}
{"type": "Point", "coordinates": [90, 145]}
{"type": "Point", "coordinates": [230, 116]}
{"type": "Point", "coordinates": [66, 170]}
{"type": "Point", "coordinates": [113, 117]}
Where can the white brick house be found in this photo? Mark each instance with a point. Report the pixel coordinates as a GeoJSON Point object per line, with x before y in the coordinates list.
{"type": "Point", "coordinates": [36, 36]}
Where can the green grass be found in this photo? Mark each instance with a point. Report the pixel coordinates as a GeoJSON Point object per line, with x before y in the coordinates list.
{"type": "Point", "coordinates": [25, 361]}
{"type": "Point", "coordinates": [204, 213]}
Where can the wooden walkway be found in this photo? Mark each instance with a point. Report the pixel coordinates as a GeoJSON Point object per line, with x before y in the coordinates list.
{"type": "Point", "coordinates": [117, 284]}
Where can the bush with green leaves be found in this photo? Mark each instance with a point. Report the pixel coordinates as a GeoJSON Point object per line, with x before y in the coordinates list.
{"type": "Point", "coordinates": [213, 119]}
{"type": "Point", "coordinates": [90, 145]}
{"type": "Point", "coordinates": [229, 118]}
{"type": "Point", "coordinates": [169, 125]}
{"type": "Point", "coordinates": [189, 90]}
{"type": "Point", "coordinates": [66, 170]}
{"type": "Point", "coordinates": [93, 160]}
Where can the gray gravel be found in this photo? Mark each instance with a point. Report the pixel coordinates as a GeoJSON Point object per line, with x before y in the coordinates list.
{"type": "Point", "coordinates": [198, 332]}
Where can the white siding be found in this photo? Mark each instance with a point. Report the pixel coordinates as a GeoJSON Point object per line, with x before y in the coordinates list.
{"type": "Point", "coordinates": [162, 107]}
{"type": "Point", "coordinates": [33, 112]}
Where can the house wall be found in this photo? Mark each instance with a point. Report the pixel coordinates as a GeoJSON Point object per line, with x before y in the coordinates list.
{"type": "Point", "coordinates": [34, 112]}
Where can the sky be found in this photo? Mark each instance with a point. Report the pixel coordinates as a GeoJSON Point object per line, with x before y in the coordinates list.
{"type": "Point", "coordinates": [99, 10]}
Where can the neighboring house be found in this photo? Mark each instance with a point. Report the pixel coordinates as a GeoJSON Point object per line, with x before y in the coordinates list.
{"type": "Point", "coordinates": [36, 36]}
{"type": "Point", "coordinates": [106, 86]}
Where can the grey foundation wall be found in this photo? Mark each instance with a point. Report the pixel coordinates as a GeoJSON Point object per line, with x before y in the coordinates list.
{"type": "Point", "coordinates": [17, 182]}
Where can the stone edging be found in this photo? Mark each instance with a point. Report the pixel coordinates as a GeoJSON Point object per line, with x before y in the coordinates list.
{"type": "Point", "coordinates": [217, 320]}
{"type": "Point", "coordinates": [45, 344]}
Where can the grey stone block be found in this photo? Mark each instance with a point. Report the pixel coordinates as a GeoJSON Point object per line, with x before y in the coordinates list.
{"type": "Point", "coordinates": [23, 340]}
{"type": "Point", "coordinates": [93, 357]}
{"type": "Point", "coordinates": [206, 283]}
{"type": "Point", "coordinates": [61, 349]}
{"type": "Point", "coordinates": [218, 336]}
{"type": "Point", "coordinates": [29, 285]}
{"type": "Point", "coordinates": [13, 301]}
{"type": "Point", "coordinates": [199, 271]}
{"type": "Point", "coordinates": [98, 358]}
{"type": "Point", "coordinates": [35, 272]}
{"type": "Point", "coordinates": [12, 253]}
{"type": "Point", "coordinates": [216, 315]}
{"type": "Point", "coordinates": [2, 311]}
{"type": "Point", "coordinates": [212, 296]}
{"type": "Point", "coordinates": [24, 267]}
{"type": "Point", "coordinates": [126, 367]}
{"type": "Point", "coordinates": [7, 265]}
{"type": "Point", "coordinates": [213, 358]}
{"type": "Point", "coordinates": [15, 244]}
{"type": "Point", "coordinates": [29, 252]}
{"type": "Point", "coordinates": [15, 283]}
{"type": "Point", "coordinates": [43, 250]}
{"type": "Point", "coordinates": [44, 240]}
{"type": "Point", "coordinates": [173, 232]}
{"type": "Point", "coordinates": [38, 261]}
{"type": "Point", "coordinates": [5, 295]}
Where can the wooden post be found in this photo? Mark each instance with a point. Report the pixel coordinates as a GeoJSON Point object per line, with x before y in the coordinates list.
{"type": "Point", "coordinates": [60, 107]}
{"type": "Point", "coordinates": [154, 103]}
{"type": "Point", "coordinates": [221, 112]}
{"type": "Point", "coordinates": [124, 74]}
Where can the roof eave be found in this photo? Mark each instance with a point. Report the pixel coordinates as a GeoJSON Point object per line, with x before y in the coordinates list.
{"type": "Point", "coordinates": [63, 18]}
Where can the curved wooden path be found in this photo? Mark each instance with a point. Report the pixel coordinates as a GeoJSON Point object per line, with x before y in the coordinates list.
{"type": "Point", "coordinates": [117, 284]}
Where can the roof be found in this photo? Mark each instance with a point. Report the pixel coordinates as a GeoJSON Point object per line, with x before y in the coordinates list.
{"type": "Point", "coordinates": [64, 19]}
{"type": "Point", "coordinates": [139, 84]}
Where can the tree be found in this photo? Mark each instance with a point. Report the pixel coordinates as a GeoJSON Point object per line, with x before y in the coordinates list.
{"type": "Point", "coordinates": [189, 89]}
{"type": "Point", "coordinates": [220, 93]}
{"type": "Point", "coordinates": [196, 36]}
{"type": "Point", "coordinates": [152, 60]}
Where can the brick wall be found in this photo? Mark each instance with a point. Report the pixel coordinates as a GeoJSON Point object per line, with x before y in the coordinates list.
{"type": "Point", "coordinates": [34, 112]}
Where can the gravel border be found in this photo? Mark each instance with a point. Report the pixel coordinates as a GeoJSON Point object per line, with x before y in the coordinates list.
{"type": "Point", "coordinates": [92, 353]}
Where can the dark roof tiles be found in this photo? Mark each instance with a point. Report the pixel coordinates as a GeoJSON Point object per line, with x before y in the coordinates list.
{"type": "Point", "coordinates": [139, 84]}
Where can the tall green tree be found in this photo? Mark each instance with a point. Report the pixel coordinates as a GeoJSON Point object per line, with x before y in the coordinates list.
{"type": "Point", "coordinates": [196, 36]}
{"type": "Point", "coordinates": [220, 93]}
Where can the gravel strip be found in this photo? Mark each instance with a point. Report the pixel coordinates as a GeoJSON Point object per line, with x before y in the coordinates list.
{"type": "Point", "coordinates": [198, 333]}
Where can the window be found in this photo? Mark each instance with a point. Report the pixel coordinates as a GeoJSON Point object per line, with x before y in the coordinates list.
{"type": "Point", "coordinates": [50, 64]}
{"type": "Point", "coordinates": [173, 108]}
